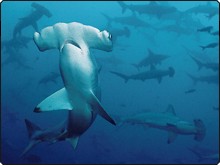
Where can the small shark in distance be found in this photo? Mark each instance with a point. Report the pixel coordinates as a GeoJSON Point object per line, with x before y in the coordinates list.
{"type": "Point", "coordinates": [211, 45]}
{"type": "Point", "coordinates": [153, 73]}
{"type": "Point", "coordinates": [31, 19]}
{"type": "Point", "coordinates": [38, 135]}
{"type": "Point", "coordinates": [205, 29]}
{"type": "Point", "coordinates": [151, 59]}
{"type": "Point", "coordinates": [210, 79]}
{"type": "Point", "coordinates": [190, 91]}
{"type": "Point", "coordinates": [169, 122]}
{"type": "Point", "coordinates": [131, 20]}
{"type": "Point", "coordinates": [212, 65]}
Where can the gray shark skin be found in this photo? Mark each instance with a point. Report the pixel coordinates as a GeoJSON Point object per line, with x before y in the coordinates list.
{"type": "Point", "coordinates": [131, 20]}
{"type": "Point", "coordinates": [210, 79]}
{"type": "Point", "coordinates": [168, 121]}
{"type": "Point", "coordinates": [79, 73]}
{"type": "Point", "coordinates": [190, 91]}
{"type": "Point", "coordinates": [211, 45]}
{"type": "Point", "coordinates": [153, 9]}
{"type": "Point", "coordinates": [49, 78]}
{"type": "Point", "coordinates": [212, 65]}
{"type": "Point", "coordinates": [205, 29]}
{"type": "Point", "coordinates": [16, 43]}
{"type": "Point", "coordinates": [151, 59]}
{"type": "Point", "coordinates": [151, 74]}
{"type": "Point", "coordinates": [208, 9]}
{"type": "Point", "coordinates": [216, 33]}
{"type": "Point", "coordinates": [31, 19]}
{"type": "Point", "coordinates": [37, 135]}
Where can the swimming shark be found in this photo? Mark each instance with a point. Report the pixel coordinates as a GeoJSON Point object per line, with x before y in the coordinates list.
{"type": "Point", "coordinates": [210, 79]}
{"type": "Point", "coordinates": [153, 73]}
{"type": "Point", "coordinates": [208, 9]}
{"type": "Point", "coordinates": [131, 20]}
{"type": "Point", "coordinates": [216, 33]}
{"type": "Point", "coordinates": [38, 135]}
{"type": "Point", "coordinates": [211, 45]}
{"type": "Point", "coordinates": [153, 8]}
{"type": "Point", "coordinates": [212, 65]}
{"type": "Point", "coordinates": [79, 74]}
{"type": "Point", "coordinates": [205, 29]}
{"type": "Point", "coordinates": [168, 121]}
{"type": "Point", "coordinates": [151, 59]}
{"type": "Point", "coordinates": [31, 19]}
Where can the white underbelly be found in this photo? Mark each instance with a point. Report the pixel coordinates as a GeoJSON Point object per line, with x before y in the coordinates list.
{"type": "Point", "coordinates": [78, 74]}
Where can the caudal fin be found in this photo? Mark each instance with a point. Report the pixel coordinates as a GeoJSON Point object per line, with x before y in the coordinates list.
{"type": "Point", "coordinates": [201, 130]}
{"type": "Point", "coordinates": [31, 128]}
{"type": "Point", "coordinates": [203, 47]}
{"type": "Point", "coordinates": [125, 77]}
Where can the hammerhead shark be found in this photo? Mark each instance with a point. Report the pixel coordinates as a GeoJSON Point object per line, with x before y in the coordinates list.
{"type": "Point", "coordinates": [79, 74]}
{"type": "Point", "coordinates": [31, 19]}
{"type": "Point", "coordinates": [151, 59]}
{"type": "Point", "coordinates": [131, 20]}
{"type": "Point", "coordinates": [211, 45]}
{"type": "Point", "coordinates": [153, 73]}
{"type": "Point", "coordinates": [214, 79]}
{"type": "Point", "coordinates": [168, 121]}
{"type": "Point", "coordinates": [212, 65]}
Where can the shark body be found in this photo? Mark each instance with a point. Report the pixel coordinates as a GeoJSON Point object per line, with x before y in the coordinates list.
{"type": "Point", "coordinates": [151, 59]}
{"type": "Point", "coordinates": [31, 19]}
{"type": "Point", "coordinates": [168, 121]}
{"type": "Point", "coordinates": [153, 73]}
{"type": "Point", "coordinates": [79, 74]}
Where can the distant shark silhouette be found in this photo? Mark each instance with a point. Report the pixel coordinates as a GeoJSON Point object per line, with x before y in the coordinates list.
{"type": "Point", "coordinates": [31, 19]}
{"type": "Point", "coordinates": [151, 59]}
{"type": "Point", "coordinates": [79, 73]}
{"type": "Point", "coordinates": [168, 121]}
{"type": "Point", "coordinates": [153, 73]}
{"type": "Point", "coordinates": [211, 45]}
{"type": "Point", "coordinates": [38, 135]}
{"type": "Point", "coordinates": [210, 79]}
{"type": "Point", "coordinates": [214, 66]}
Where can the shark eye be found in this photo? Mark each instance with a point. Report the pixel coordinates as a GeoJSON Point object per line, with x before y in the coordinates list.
{"type": "Point", "coordinates": [109, 36]}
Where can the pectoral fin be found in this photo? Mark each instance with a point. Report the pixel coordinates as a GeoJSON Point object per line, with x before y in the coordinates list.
{"type": "Point", "coordinates": [74, 141]}
{"type": "Point", "coordinates": [57, 101]}
{"type": "Point", "coordinates": [99, 109]}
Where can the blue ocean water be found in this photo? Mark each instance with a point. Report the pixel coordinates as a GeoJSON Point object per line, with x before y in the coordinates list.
{"type": "Point", "coordinates": [166, 28]}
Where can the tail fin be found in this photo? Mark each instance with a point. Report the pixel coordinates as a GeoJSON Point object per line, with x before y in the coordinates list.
{"type": "Point", "coordinates": [199, 63]}
{"type": "Point", "coordinates": [123, 6]}
{"type": "Point", "coordinates": [31, 128]}
{"type": "Point", "coordinates": [126, 78]}
{"type": "Point", "coordinates": [201, 130]}
{"type": "Point", "coordinates": [172, 71]}
{"type": "Point", "coordinates": [127, 31]}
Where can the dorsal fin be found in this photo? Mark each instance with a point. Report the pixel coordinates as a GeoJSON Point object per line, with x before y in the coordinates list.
{"type": "Point", "coordinates": [31, 127]}
{"type": "Point", "coordinates": [170, 110]}
{"type": "Point", "coordinates": [150, 53]}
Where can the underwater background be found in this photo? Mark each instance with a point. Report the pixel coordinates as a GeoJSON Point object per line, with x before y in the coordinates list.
{"type": "Point", "coordinates": [26, 80]}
